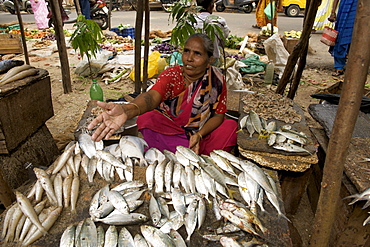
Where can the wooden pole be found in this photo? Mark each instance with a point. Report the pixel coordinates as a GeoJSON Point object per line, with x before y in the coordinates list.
{"type": "Point", "coordinates": [146, 45]}
{"type": "Point", "coordinates": [299, 48]}
{"type": "Point", "coordinates": [23, 36]}
{"type": "Point", "coordinates": [344, 123]}
{"type": "Point", "coordinates": [61, 43]}
{"type": "Point", "coordinates": [138, 29]}
{"type": "Point", "coordinates": [7, 196]}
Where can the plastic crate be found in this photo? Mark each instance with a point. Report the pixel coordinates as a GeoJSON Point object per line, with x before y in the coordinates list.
{"type": "Point", "coordinates": [124, 32]}
{"type": "Point", "coordinates": [129, 32]}
{"type": "Point", "coordinates": [16, 26]}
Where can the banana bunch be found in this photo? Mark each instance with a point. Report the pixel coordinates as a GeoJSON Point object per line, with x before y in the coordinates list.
{"type": "Point", "coordinates": [293, 34]}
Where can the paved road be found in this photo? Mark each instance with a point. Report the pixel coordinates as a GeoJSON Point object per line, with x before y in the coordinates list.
{"type": "Point", "coordinates": [240, 24]}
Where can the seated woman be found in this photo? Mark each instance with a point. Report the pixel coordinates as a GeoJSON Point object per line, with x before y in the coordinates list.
{"type": "Point", "coordinates": [185, 107]}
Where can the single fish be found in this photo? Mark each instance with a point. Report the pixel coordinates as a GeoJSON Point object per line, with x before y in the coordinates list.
{"type": "Point", "coordinates": [250, 127]}
{"type": "Point", "coordinates": [87, 145]}
{"type": "Point", "coordinates": [75, 188]}
{"type": "Point", "coordinates": [159, 176]}
{"type": "Point", "coordinates": [68, 237]}
{"type": "Point", "coordinates": [154, 210]}
{"type": "Point", "coordinates": [118, 201]}
{"type": "Point", "coordinates": [177, 238]}
{"type": "Point", "coordinates": [125, 238]}
{"type": "Point", "coordinates": [156, 237]}
{"type": "Point", "coordinates": [67, 187]}
{"type": "Point", "coordinates": [46, 184]}
{"type": "Point", "coordinates": [111, 237]}
{"type": "Point", "coordinates": [140, 241]}
{"type": "Point", "coordinates": [110, 158]}
{"type": "Point", "coordinates": [291, 148]}
{"type": "Point", "coordinates": [256, 121]}
{"type": "Point", "coordinates": [7, 64]}
{"type": "Point", "coordinates": [133, 146]}
{"type": "Point", "coordinates": [58, 189]}
{"type": "Point", "coordinates": [191, 218]}
{"type": "Point", "coordinates": [100, 236]}
{"type": "Point", "coordinates": [62, 160]}
{"type": "Point", "coordinates": [123, 219]}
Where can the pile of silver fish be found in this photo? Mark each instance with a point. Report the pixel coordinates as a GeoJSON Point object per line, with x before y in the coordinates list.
{"type": "Point", "coordinates": [86, 233]}
{"type": "Point", "coordinates": [55, 189]}
{"type": "Point", "coordinates": [363, 196]}
{"type": "Point", "coordinates": [283, 138]}
{"type": "Point", "coordinates": [186, 178]}
{"type": "Point", "coordinates": [113, 159]}
{"type": "Point", "coordinates": [181, 187]}
{"type": "Point", "coordinates": [115, 206]}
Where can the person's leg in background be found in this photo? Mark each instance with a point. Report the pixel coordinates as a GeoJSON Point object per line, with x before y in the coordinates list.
{"type": "Point", "coordinates": [85, 8]}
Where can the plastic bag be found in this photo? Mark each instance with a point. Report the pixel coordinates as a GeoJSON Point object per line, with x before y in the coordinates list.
{"type": "Point", "coordinates": [152, 66]}
{"type": "Point", "coordinates": [270, 14]}
{"type": "Point", "coordinates": [276, 52]}
{"type": "Point", "coordinates": [254, 65]}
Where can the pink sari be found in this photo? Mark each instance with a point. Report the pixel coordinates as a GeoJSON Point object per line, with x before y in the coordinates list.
{"type": "Point", "coordinates": [166, 133]}
{"type": "Point", "coordinates": [40, 11]}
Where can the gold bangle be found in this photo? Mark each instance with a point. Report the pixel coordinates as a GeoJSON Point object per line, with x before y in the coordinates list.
{"type": "Point", "coordinates": [138, 108]}
{"type": "Point", "coordinates": [200, 135]}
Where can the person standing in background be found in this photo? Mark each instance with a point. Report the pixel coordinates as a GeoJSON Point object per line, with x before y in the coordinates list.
{"type": "Point", "coordinates": [322, 15]}
{"type": "Point", "coordinates": [345, 20]}
{"type": "Point", "coordinates": [85, 8]}
{"type": "Point", "coordinates": [40, 12]}
{"type": "Point", "coordinates": [261, 17]}
{"type": "Point", "coordinates": [205, 16]}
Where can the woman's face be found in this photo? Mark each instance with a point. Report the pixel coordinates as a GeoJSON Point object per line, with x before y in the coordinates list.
{"type": "Point", "coordinates": [195, 58]}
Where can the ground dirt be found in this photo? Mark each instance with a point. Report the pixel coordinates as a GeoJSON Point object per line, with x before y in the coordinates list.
{"type": "Point", "coordinates": [69, 107]}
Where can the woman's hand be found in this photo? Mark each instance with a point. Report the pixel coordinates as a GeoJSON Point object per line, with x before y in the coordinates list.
{"type": "Point", "coordinates": [194, 142]}
{"type": "Point", "coordinates": [111, 120]}
{"type": "Point", "coordinates": [332, 17]}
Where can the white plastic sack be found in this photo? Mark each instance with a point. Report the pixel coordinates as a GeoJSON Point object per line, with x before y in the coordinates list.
{"type": "Point", "coordinates": [234, 79]}
{"type": "Point", "coordinates": [83, 68]}
{"type": "Point", "coordinates": [276, 52]}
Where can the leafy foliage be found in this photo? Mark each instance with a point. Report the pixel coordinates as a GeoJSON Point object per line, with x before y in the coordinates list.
{"type": "Point", "coordinates": [86, 37]}
{"type": "Point", "coordinates": [232, 41]}
{"type": "Point", "coordinates": [184, 14]}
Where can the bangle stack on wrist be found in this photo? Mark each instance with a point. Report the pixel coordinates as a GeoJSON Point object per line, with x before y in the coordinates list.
{"type": "Point", "coordinates": [200, 135]}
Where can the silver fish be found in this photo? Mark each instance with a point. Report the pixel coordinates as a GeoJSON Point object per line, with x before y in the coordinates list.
{"type": "Point", "coordinates": [58, 189]}
{"type": "Point", "coordinates": [234, 161]}
{"type": "Point", "coordinates": [159, 177]}
{"type": "Point", "coordinates": [129, 171]}
{"type": "Point", "coordinates": [229, 242]}
{"type": "Point", "coordinates": [202, 212]}
{"type": "Point", "coordinates": [154, 210]}
{"type": "Point", "coordinates": [125, 238]}
{"type": "Point", "coordinates": [127, 185]}
{"type": "Point", "coordinates": [100, 236]}
{"type": "Point", "coordinates": [133, 146]}
{"type": "Point", "coordinates": [27, 208]}
{"type": "Point", "coordinates": [191, 218]}
{"type": "Point", "coordinates": [223, 163]}
{"type": "Point", "coordinates": [250, 127]}
{"type": "Point", "coordinates": [75, 188]}
{"type": "Point", "coordinates": [68, 237]}
{"type": "Point", "coordinates": [239, 222]}
{"type": "Point", "coordinates": [188, 153]}
{"type": "Point", "coordinates": [168, 173]}
{"type": "Point", "coordinates": [91, 169]}
{"type": "Point", "coordinates": [46, 183]}
{"type": "Point", "coordinates": [155, 237]}
{"type": "Point", "coordinates": [291, 148]}
{"type": "Point", "coordinates": [110, 158]}
{"type": "Point", "coordinates": [163, 207]}
{"type": "Point", "coordinates": [256, 121]}
{"type": "Point", "coordinates": [293, 137]}
{"type": "Point", "coordinates": [178, 201]}
{"type": "Point", "coordinates": [88, 235]}
{"type": "Point", "coordinates": [118, 201]}
{"type": "Point", "coordinates": [177, 238]}
{"type": "Point", "coordinates": [153, 154]}
{"type": "Point", "coordinates": [123, 219]}
{"type": "Point", "coordinates": [7, 220]}
{"type": "Point", "coordinates": [176, 176]}
{"type": "Point", "coordinates": [149, 174]}
{"type": "Point", "coordinates": [190, 179]}
{"type": "Point", "coordinates": [199, 183]}
{"type": "Point", "coordinates": [46, 224]}
{"type": "Point", "coordinates": [111, 237]}
{"type": "Point", "coordinates": [61, 161]}
{"type": "Point", "coordinates": [87, 145]}
{"type": "Point", "coordinates": [67, 187]}
{"type": "Point", "coordinates": [140, 241]}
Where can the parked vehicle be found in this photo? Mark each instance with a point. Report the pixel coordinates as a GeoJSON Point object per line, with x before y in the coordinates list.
{"type": "Point", "coordinates": [245, 5]}
{"type": "Point", "coordinates": [293, 8]}
{"type": "Point", "coordinates": [24, 5]}
{"type": "Point", "coordinates": [152, 4]}
{"type": "Point", "coordinates": [98, 12]}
